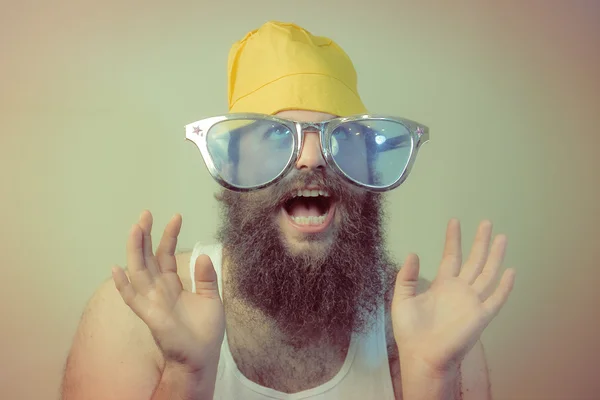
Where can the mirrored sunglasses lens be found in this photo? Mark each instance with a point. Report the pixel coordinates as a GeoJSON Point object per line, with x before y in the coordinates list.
{"type": "Point", "coordinates": [372, 152]}
{"type": "Point", "coordinates": [250, 152]}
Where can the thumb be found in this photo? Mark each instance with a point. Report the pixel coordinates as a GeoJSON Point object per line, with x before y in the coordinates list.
{"type": "Point", "coordinates": [407, 279]}
{"type": "Point", "coordinates": [206, 277]}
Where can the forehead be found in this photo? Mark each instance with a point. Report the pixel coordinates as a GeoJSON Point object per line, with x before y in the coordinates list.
{"type": "Point", "coordinates": [305, 116]}
{"type": "Point", "coordinates": [292, 115]}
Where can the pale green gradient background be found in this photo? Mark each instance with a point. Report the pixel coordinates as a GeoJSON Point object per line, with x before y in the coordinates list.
{"type": "Point", "coordinates": [94, 96]}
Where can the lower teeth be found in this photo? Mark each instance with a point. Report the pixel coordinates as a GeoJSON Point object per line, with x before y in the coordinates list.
{"type": "Point", "coordinates": [309, 220]}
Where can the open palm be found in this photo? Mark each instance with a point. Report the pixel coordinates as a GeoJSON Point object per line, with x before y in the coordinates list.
{"type": "Point", "coordinates": [187, 327]}
{"type": "Point", "coordinates": [439, 326]}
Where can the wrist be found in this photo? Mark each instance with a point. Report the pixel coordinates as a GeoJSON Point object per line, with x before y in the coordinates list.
{"type": "Point", "coordinates": [421, 382]}
{"type": "Point", "coordinates": [181, 382]}
{"type": "Point", "coordinates": [429, 370]}
{"type": "Point", "coordinates": [184, 370]}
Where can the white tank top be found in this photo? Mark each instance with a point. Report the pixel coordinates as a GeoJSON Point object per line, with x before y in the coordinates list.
{"type": "Point", "coordinates": [364, 375]}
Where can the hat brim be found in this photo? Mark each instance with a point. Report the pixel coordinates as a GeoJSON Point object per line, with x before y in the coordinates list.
{"type": "Point", "coordinates": [310, 92]}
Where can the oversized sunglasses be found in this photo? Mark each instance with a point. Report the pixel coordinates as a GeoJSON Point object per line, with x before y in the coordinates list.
{"type": "Point", "coordinates": [248, 151]}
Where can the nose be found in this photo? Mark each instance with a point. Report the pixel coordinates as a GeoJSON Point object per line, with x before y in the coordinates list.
{"type": "Point", "coordinates": [310, 153]}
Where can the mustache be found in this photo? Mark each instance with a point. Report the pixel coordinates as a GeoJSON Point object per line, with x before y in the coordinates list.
{"type": "Point", "coordinates": [263, 204]}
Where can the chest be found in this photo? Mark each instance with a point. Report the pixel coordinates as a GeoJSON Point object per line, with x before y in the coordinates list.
{"type": "Point", "coordinates": [286, 370]}
{"type": "Point", "coordinates": [357, 370]}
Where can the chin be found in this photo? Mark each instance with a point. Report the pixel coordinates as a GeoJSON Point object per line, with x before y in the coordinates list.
{"type": "Point", "coordinates": [302, 242]}
{"type": "Point", "coordinates": [309, 246]}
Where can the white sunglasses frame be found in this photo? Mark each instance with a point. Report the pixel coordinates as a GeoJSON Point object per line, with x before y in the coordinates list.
{"type": "Point", "coordinates": [197, 133]}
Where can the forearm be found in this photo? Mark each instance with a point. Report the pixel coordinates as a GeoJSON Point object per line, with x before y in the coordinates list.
{"type": "Point", "coordinates": [418, 384]}
{"type": "Point", "coordinates": [178, 384]}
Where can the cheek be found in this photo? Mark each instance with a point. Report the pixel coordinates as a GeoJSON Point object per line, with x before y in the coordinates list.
{"type": "Point", "coordinates": [352, 205]}
{"type": "Point", "coordinates": [262, 204]}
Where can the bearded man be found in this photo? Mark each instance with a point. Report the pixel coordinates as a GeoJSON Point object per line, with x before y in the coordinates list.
{"type": "Point", "coordinates": [299, 298]}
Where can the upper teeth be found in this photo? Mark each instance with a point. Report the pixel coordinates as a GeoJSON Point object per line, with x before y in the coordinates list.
{"type": "Point", "coordinates": [311, 193]}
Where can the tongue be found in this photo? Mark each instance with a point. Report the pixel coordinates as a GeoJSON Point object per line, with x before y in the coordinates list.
{"type": "Point", "coordinates": [301, 207]}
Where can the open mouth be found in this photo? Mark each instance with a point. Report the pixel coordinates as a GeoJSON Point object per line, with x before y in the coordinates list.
{"type": "Point", "coordinates": [309, 210]}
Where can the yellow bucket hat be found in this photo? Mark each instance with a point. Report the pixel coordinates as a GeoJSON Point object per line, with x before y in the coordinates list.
{"type": "Point", "coordinates": [281, 66]}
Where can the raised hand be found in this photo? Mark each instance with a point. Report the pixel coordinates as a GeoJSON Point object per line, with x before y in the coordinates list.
{"type": "Point", "coordinates": [187, 327]}
{"type": "Point", "coordinates": [437, 328]}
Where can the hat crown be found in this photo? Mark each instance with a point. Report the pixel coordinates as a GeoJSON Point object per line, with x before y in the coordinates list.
{"type": "Point", "coordinates": [280, 50]}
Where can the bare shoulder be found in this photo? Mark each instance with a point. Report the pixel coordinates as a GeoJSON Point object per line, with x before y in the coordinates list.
{"type": "Point", "coordinates": [113, 354]}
